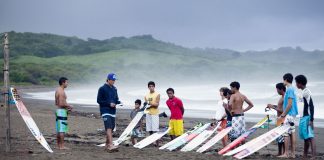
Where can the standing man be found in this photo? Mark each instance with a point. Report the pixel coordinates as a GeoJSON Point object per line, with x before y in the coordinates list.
{"type": "Point", "coordinates": [61, 112]}
{"type": "Point", "coordinates": [152, 117]}
{"type": "Point", "coordinates": [281, 90]}
{"type": "Point", "coordinates": [107, 99]}
{"type": "Point", "coordinates": [289, 114]}
{"type": "Point", "coordinates": [306, 126]}
{"type": "Point", "coordinates": [236, 107]}
{"type": "Point", "coordinates": [176, 119]}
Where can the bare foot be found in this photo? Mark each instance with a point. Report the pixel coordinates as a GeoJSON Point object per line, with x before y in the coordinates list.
{"type": "Point", "coordinates": [111, 148]}
{"type": "Point", "coordinates": [283, 156]}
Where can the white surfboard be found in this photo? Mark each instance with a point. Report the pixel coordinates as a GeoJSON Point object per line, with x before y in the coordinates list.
{"type": "Point", "coordinates": [180, 137]}
{"type": "Point", "coordinates": [202, 137]}
{"type": "Point", "coordinates": [128, 130]}
{"type": "Point", "coordinates": [244, 136]}
{"type": "Point", "coordinates": [150, 139]}
{"type": "Point", "coordinates": [262, 142]}
{"type": "Point", "coordinates": [214, 140]}
{"type": "Point", "coordinates": [240, 148]}
{"type": "Point", "coordinates": [29, 120]}
{"type": "Point", "coordinates": [188, 137]}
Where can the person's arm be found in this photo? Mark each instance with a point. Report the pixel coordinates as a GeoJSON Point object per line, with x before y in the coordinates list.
{"type": "Point", "coordinates": [289, 105]}
{"type": "Point", "coordinates": [230, 103]}
{"type": "Point", "coordinates": [311, 116]}
{"type": "Point", "coordinates": [100, 98]}
{"type": "Point", "coordinates": [249, 103]}
{"type": "Point", "coordinates": [156, 104]}
{"type": "Point", "coordinates": [275, 107]}
{"type": "Point", "coordinates": [181, 107]}
{"type": "Point", "coordinates": [117, 98]}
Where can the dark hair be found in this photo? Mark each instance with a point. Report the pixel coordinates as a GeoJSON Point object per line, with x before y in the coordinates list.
{"type": "Point", "coordinates": [150, 83]}
{"type": "Point", "coordinates": [222, 89]}
{"type": "Point", "coordinates": [281, 86]}
{"type": "Point", "coordinates": [170, 89]}
{"type": "Point", "coordinates": [226, 91]}
{"type": "Point", "coordinates": [235, 85]}
{"type": "Point", "coordinates": [288, 77]}
{"type": "Point", "coordinates": [301, 79]}
{"type": "Point", "coordinates": [62, 80]}
{"type": "Point", "coordinates": [138, 101]}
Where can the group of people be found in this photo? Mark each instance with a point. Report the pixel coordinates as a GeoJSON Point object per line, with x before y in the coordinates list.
{"type": "Point", "coordinates": [230, 112]}
{"type": "Point", "coordinates": [287, 111]}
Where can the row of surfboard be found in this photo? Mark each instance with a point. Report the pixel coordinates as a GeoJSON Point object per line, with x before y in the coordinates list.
{"type": "Point", "coordinates": [190, 140]}
{"type": "Point", "coordinates": [201, 133]}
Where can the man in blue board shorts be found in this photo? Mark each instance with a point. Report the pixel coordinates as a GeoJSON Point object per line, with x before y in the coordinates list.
{"type": "Point", "coordinates": [61, 112]}
{"type": "Point", "coordinates": [306, 126]}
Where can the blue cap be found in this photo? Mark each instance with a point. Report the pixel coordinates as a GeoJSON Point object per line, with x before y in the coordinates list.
{"type": "Point", "coordinates": [112, 76]}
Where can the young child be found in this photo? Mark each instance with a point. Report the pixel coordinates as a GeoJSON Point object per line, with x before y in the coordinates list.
{"type": "Point", "coordinates": [306, 127]}
{"type": "Point", "coordinates": [220, 112]}
{"type": "Point", "coordinates": [138, 130]}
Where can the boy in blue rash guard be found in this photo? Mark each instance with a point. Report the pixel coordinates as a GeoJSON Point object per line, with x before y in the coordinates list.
{"type": "Point", "coordinates": [107, 99]}
{"type": "Point", "coordinates": [306, 126]}
{"type": "Point", "coordinates": [289, 114]}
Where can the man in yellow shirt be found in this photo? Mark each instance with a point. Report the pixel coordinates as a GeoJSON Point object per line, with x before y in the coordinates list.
{"type": "Point", "coordinates": [152, 117]}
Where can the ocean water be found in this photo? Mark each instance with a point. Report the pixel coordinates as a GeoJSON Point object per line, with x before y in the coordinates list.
{"type": "Point", "coordinates": [199, 100]}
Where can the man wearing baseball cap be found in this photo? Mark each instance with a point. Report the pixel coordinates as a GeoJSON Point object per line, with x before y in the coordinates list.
{"type": "Point", "coordinates": [107, 99]}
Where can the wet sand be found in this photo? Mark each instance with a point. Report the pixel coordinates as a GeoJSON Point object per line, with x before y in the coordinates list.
{"type": "Point", "coordinates": [86, 130]}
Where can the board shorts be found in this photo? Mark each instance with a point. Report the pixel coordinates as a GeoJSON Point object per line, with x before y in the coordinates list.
{"type": "Point", "coordinates": [305, 130]}
{"type": "Point", "coordinates": [280, 139]}
{"type": "Point", "coordinates": [109, 121]}
{"type": "Point", "coordinates": [291, 121]}
{"type": "Point", "coordinates": [176, 127]}
{"type": "Point", "coordinates": [152, 122]}
{"type": "Point", "coordinates": [223, 125]}
{"type": "Point", "coordinates": [238, 126]}
{"type": "Point", "coordinates": [136, 133]}
{"type": "Point", "coordinates": [61, 121]}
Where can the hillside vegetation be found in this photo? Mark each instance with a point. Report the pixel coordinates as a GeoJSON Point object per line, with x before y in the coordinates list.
{"type": "Point", "coordinates": [38, 58]}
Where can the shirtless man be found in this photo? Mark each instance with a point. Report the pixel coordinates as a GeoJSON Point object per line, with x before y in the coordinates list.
{"type": "Point", "coordinates": [281, 90]}
{"type": "Point", "coordinates": [61, 112]}
{"type": "Point", "coordinates": [236, 107]}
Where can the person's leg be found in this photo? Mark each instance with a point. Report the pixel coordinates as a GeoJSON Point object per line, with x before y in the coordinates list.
{"type": "Point", "coordinates": [148, 120]}
{"type": "Point", "coordinates": [306, 145]}
{"type": "Point", "coordinates": [172, 131]}
{"type": "Point", "coordinates": [313, 147]}
{"type": "Point", "coordinates": [134, 140]}
{"type": "Point", "coordinates": [58, 140]}
{"type": "Point", "coordinates": [155, 125]}
{"type": "Point", "coordinates": [279, 149]}
{"type": "Point", "coordinates": [293, 144]}
{"type": "Point", "coordinates": [61, 134]}
{"type": "Point", "coordinates": [286, 143]}
{"type": "Point", "coordinates": [109, 136]}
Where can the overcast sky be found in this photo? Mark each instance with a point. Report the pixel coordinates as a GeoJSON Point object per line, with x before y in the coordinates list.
{"type": "Point", "coordinates": [233, 24]}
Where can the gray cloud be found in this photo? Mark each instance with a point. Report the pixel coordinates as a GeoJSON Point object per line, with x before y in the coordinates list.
{"type": "Point", "coordinates": [240, 25]}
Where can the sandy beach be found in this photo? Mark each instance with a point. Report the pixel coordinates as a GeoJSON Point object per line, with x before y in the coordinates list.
{"type": "Point", "coordinates": [86, 130]}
